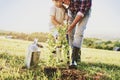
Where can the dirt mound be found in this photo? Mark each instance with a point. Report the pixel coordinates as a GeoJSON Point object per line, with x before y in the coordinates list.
{"type": "Point", "coordinates": [71, 74]}
{"type": "Point", "coordinates": [66, 74]}
{"type": "Point", "coordinates": [50, 71]}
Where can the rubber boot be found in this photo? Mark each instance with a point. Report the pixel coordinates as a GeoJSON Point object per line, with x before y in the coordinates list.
{"type": "Point", "coordinates": [79, 56]}
{"type": "Point", "coordinates": [75, 53]}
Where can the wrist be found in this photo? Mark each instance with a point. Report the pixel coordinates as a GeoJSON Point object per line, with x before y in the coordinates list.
{"type": "Point", "coordinates": [70, 28]}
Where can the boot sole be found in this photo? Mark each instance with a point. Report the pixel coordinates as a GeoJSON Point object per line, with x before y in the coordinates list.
{"type": "Point", "coordinates": [72, 67]}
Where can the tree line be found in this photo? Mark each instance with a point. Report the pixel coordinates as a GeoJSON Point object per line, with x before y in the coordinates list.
{"type": "Point", "coordinates": [42, 37]}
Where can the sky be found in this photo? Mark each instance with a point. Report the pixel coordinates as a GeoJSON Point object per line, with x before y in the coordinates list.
{"type": "Point", "coordinates": [33, 16]}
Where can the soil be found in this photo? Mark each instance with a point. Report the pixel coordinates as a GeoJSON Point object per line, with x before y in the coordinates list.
{"type": "Point", "coordinates": [50, 71]}
{"type": "Point", "coordinates": [71, 74]}
{"type": "Point", "coordinates": [66, 74]}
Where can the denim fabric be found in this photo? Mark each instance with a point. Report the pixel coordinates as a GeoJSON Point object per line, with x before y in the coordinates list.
{"type": "Point", "coordinates": [77, 34]}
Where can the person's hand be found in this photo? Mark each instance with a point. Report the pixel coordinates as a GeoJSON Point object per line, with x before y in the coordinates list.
{"type": "Point", "coordinates": [59, 25]}
{"type": "Point", "coordinates": [70, 29]}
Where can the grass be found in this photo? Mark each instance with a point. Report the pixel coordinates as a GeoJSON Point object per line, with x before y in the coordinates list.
{"type": "Point", "coordinates": [100, 56]}
{"type": "Point", "coordinates": [96, 64]}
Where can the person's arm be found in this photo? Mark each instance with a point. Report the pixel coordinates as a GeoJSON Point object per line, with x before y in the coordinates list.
{"type": "Point", "coordinates": [75, 21]}
{"type": "Point", "coordinates": [84, 7]}
{"type": "Point", "coordinates": [54, 21]}
{"type": "Point", "coordinates": [52, 16]}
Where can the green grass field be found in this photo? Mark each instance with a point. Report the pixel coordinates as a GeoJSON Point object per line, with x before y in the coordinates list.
{"type": "Point", "coordinates": [96, 64]}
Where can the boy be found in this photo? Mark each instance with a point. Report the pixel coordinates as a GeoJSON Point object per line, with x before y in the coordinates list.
{"type": "Point", "coordinates": [57, 17]}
